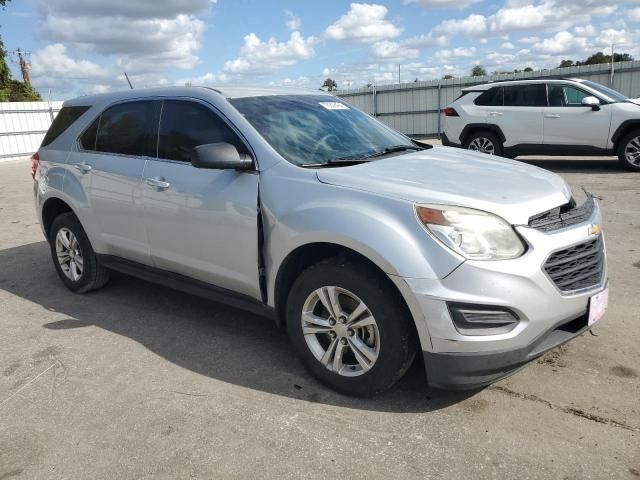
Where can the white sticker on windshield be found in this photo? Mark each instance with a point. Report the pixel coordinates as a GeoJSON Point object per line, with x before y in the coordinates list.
{"type": "Point", "coordinates": [334, 105]}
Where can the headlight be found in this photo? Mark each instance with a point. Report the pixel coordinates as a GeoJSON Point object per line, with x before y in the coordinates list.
{"type": "Point", "coordinates": [474, 234]}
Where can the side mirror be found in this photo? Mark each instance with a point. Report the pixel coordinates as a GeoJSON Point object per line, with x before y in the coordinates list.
{"type": "Point", "coordinates": [592, 102]}
{"type": "Point", "coordinates": [220, 156]}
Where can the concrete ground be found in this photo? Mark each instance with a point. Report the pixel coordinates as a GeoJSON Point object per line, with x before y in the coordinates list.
{"type": "Point", "coordinates": [138, 381]}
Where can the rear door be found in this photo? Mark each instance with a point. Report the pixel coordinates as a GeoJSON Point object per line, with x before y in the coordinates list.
{"type": "Point", "coordinates": [202, 223]}
{"type": "Point", "coordinates": [569, 123]}
{"type": "Point", "coordinates": [521, 116]}
{"type": "Point", "coordinates": [112, 153]}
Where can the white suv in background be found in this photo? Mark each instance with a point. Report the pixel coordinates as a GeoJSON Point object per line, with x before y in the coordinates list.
{"type": "Point", "coordinates": [550, 117]}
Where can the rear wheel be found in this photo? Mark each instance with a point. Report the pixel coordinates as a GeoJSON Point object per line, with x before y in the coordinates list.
{"type": "Point", "coordinates": [484, 142]}
{"type": "Point", "coordinates": [629, 151]}
{"type": "Point", "coordinates": [350, 327]}
{"type": "Point", "coordinates": [77, 265]}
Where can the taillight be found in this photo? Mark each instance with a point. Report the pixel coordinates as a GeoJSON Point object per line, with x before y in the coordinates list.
{"type": "Point", "coordinates": [450, 112]}
{"type": "Point", "coordinates": [35, 163]}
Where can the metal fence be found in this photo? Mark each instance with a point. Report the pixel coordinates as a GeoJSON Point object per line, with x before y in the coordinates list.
{"type": "Point", "coordinates": [414, 108]}
{"type": "Point", "coordinates": [23, 125]}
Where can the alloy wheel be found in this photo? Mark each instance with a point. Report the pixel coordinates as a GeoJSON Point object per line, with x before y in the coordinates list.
{"type": "Point", "coordinates": [340, 331]}
{"type": "Point", "coordinates": [482, 145]}
{"type": "Point", "coordinates": [69, 254]}
{"type": "Point", "coordinates": [632, 152]}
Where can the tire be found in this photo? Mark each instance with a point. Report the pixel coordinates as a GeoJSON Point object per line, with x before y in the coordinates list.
{"type": "Point", "coordinates": [392, 336]}
{"type": "Point", "coordinates": [80, 268]}
{"type": "Point", "coordinates": [629, 151]}
{"type": "Point", "coordinates": [484, 141]}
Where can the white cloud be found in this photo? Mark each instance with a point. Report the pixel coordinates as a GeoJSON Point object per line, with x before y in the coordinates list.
{"type": "Point", "coordinates": [561, 43]}
{"type": "Point", "coordinates": [257, 57]}
{"type": "Point", "coordinates": [206, 79]}
{"type": "Point", "coordinates": [363, 22]}
{"type": "Point", "coordinates": [54, 62]}
{"type": "Point", "coordinates": [393, 51]}
{"type": "Point", "coordinates": [507, 46]}
{"type": "Point", "coordinates": [634, 14]}
{"type": "Point", "coordinates": [293, 22]}
{"type": "Point", "coordinates": [442, 3]}
{"type": "Point", "coordinates": [473, 25]}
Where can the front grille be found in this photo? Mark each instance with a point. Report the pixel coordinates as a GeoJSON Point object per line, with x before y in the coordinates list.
{"type": "Point", "coordinates": [564, 216]}
{"type": "Point", "coordinates": [578, 267]}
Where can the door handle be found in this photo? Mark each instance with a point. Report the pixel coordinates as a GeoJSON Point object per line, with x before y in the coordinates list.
{"type": "Point", "coordinates": [158, 183]}
{"type": "Point", "coordinates": [551, 115]}
{"type": "Point", "coordinates": [84, 167]}
{"type": "Point", "coordinates": [496, 114]}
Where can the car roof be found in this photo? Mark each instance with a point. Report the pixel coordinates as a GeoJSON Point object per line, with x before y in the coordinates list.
{"type": "Point", "coordinates": [487, 86]}
{"type": "Point", "coordinates": [227, 91]}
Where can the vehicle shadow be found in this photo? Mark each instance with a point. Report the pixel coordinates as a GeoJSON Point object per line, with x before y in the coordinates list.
{"type": "Point", "coordinates": [202, 336]}
{"type": "Point", "coordinates": [597, 165]}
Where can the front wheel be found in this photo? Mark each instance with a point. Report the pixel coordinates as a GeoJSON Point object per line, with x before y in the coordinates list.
{"type": "Point", "coordinates": [629, 151]}
{"type": "Point", "coordinates": [350, 327]}
{"type": "Point", "coordinates": [484, 142]}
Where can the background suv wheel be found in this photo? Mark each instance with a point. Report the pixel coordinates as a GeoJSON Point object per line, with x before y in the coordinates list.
{"type": "Point", "coordinates": [77, 265]}
{"type": "Point", "coordinates": [629, 150]}
{"type": "Point", "coordinates": [350, 327]}
{"type": "Point", "coordinates": [483, 142]}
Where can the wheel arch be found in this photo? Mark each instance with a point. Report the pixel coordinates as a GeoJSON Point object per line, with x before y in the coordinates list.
{"type": "Point", "coordinates": [52, 208]}
{"type": "Point", "coordinates": [472, 128]}
{"type": "Point", "coordinates": [623, 130]}
{"type": "Point", "coordinates": [309, 254]}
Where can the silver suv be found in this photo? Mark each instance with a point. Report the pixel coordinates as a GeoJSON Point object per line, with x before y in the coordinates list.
{"type": "Point", "coordinates": [365, 246]}
{"type": "Point", "coordinates": [550, 117]}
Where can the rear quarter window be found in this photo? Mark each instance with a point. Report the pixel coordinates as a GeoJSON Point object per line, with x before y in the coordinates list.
{"type": "Point", "coordinates": [66, 117]}
{"type": "Point", "coordinates": [493, 97]}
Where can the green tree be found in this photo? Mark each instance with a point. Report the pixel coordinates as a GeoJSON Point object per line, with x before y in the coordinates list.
{"type": "Point", "coordinates": [528, 69]}
{"type": "Point", "coordinates": [448, 76]}
{"type": "Point", "coordinates": [330, 85]}
{"type": "Point", "coordinates": [12, 90]}
{"type": "Point", "coordinates": [478, 71]}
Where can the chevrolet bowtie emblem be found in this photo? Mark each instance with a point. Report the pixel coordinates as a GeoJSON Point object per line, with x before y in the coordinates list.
{"type": "Point", "coordinates": [595, 229]}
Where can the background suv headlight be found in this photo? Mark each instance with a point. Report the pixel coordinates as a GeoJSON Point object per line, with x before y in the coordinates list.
{"type": "Point", "coordinates": [474, 234]}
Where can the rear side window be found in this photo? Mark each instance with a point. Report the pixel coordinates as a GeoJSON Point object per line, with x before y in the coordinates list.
{"type": "Point", "coordinates": [185, 125]}
{"type": "Point", "coordinates": [493, 97]}
{"type": "Point", "coordinates": [64, 120]}
{"type": "Point", "coordinates": [532, 95]}
{"type": "Point", "coordinates": [127, 128]}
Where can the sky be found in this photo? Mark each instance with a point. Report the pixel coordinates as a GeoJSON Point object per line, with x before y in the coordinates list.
{"type": "Point", "coordinates": [84, 46]}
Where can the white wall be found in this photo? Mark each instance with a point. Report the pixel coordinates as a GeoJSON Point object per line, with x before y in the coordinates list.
{"type": "Point", "coordinates": [22, 127]}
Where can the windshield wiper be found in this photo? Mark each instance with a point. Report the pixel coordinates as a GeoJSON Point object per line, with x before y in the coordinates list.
{"type": "Point", "coordinates": [356, 159]}
{"type": "Point", "coordinates": [393, 149]}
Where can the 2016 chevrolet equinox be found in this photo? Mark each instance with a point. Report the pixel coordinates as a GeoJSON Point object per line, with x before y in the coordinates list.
{"type": "Point", "coordinates": [366, 246]}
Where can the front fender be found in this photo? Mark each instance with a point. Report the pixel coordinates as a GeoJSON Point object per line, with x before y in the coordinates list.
{"type": "Point", "coordinates": [382, 229]}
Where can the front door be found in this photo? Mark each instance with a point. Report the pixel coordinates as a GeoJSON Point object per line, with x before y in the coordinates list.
{"type": "Point", "coordinates": [567, 122]}
{"type": "Point", "coordinates": [201, 223]}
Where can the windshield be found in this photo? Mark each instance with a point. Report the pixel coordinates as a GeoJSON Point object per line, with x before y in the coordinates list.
{"type": "Point", "coordinates": [612, 94]}
{"type": "Point", "coordinates": [318, 129]}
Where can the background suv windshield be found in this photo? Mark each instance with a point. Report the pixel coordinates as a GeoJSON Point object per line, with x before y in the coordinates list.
{"type": "Point", "coordinates": [315, 129]}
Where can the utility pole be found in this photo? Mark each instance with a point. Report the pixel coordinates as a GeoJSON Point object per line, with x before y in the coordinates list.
{"type": "Point", "coordinates": [398, 73]}
{"type": "Point", "coordinates": [24, 66]}
{"type": "Point", "coordinates": [612, 67]}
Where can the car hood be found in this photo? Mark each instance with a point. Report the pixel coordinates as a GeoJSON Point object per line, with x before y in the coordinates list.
{"type": "Point", "coordinates": [443, 175]}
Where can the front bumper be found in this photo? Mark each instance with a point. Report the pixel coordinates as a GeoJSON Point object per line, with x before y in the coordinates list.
{"type": "Point", "coordinates": [548, 317]}
{"type": "Point", "coordinates": [463, 371]}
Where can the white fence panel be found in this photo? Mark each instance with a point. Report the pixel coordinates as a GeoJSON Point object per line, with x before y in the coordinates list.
{"type": "Point", "coordinates": [23, 126]}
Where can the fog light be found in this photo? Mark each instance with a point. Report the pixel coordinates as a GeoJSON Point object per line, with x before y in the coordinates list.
{"type": "Point", "coordinates": [482, 320]}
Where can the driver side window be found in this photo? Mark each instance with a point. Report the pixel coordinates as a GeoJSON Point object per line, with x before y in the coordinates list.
{"type": "Point", "coordinates": [185, 125]}
{"type": "Point", "coordinates": [566, 96]}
